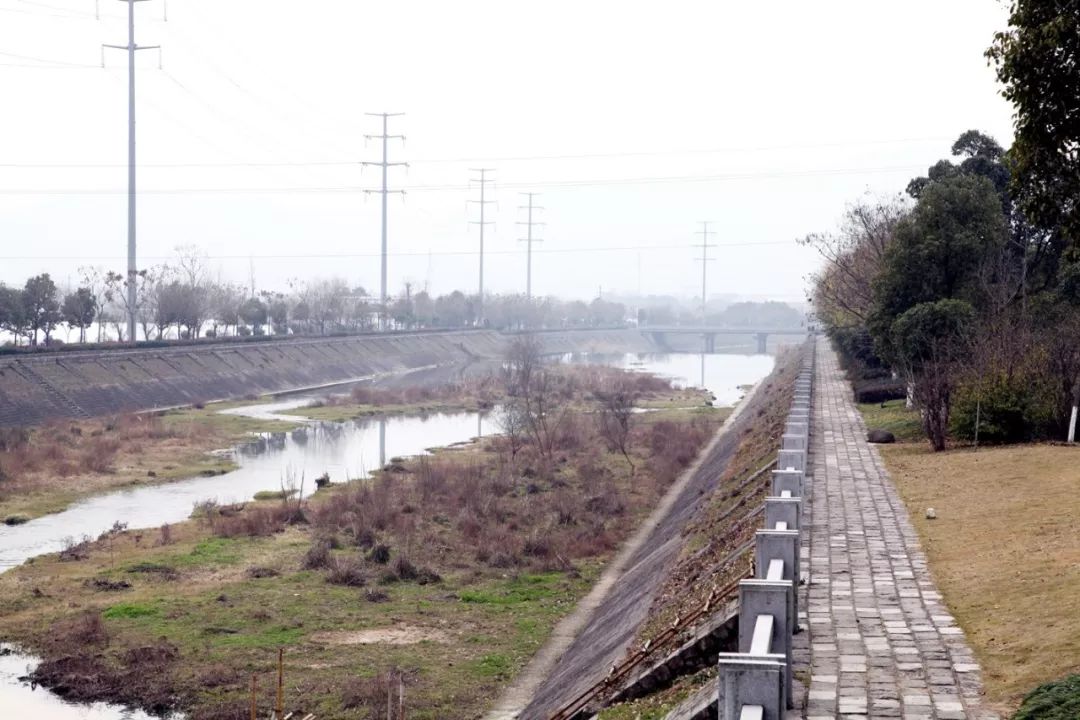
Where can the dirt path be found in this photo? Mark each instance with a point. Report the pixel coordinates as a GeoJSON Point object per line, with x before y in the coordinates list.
{"type": "Point", "coordinates": [585, 643]}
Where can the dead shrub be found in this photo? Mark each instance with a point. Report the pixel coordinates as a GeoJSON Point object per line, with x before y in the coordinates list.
{"type": "Point", "coordinates": [346, 571]}
{"type": "Point", "coordinates": [163, 572]}
{"type": "Point", "coordinates": [86, 629]}
{"type": "Point", "coordinates": [537, 545]}
{"type": "Point", "coordinates": [318, 556]}
{"type": "Point", "coordinates": [14, 438]}
{"type": "Point", "coordinates": [404, 568]}
{"type": "Point", "coordinates": [369, 695]}
{"type": "Point", "coordinates": [608, 503]}
{"type": "Point", "coordinates": [257, 521]}
{"type": "Point", "coordinates": [380, 554]}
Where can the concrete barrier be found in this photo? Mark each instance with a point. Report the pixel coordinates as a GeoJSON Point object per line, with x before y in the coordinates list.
{"type": "Point", "coordinates": [756, 682]}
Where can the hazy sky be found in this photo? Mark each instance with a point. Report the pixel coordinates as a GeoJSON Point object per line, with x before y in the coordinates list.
{"type": "Point", "coordinates": [634, 120]}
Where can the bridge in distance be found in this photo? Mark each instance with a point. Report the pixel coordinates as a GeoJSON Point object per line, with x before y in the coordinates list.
{"type": "Point", "coordinates": [658, 333]}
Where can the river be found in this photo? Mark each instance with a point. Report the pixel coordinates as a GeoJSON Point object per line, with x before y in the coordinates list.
{"type": "Point", "coordinates": [346, 451]}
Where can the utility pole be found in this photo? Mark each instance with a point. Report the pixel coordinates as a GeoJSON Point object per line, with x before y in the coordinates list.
{"type": "Point", "coordinates": [132, 265]}
{"type": "Point", "coordinates": [385, 137]}
{"type": "Point", "coordinates": [483, 180]}
{"type": "Point", "coordinates": [705, 232]}
{"type": "Point", "coordinates": [529, 240]}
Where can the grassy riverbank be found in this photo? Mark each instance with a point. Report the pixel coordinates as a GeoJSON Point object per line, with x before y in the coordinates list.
{"type": "Point", "coordinates": [45, 469]}
{"type": "Point", "coordinates": [1004, 552]}
{"type": "Point", "coordinates": [441, 576]}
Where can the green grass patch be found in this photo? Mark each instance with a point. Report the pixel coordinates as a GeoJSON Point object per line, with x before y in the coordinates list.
{"type": "Point", "coordinates": [494, 665]}
{"type": "Point", "coordinates": [130, 611]}
{"type": "Point", "coordinates": [274, 494]}
{"type": "Point", "coordinates": [893, 416]}
{"type": "Point", "coordinates": [522, 589]}
{"type": "Point", "coordinates": [213, 551]}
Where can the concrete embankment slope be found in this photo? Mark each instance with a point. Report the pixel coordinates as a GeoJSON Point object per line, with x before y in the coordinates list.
{"type": "Point", "coordinates": [581, 656]}
{"type": "Point", "coordinates": [37, 387]}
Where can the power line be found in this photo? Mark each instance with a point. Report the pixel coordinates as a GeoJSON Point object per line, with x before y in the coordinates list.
{"type": "Point", "coordinates": [529, 240]}
{"type": "Point", "coordinates": [657, 180]}
{"type": "Point", "coordinates": [483, 180]}
{"type": "Point", "coordinates": [384, 164]}
{"type": "Point", "coordinates": [521, 158]}
{"type": "Point", "coordinates": [705, 259]}
{"type": "Point", "coordinates": [47, 61]}
{"type": "Point", "coordinates": [418, 253]}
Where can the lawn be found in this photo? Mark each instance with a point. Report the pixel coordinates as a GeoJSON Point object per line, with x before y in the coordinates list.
{"type": "Point", "coordinates": [895, 417]}
{"type": "Point", "coordinates": [1004, 552]}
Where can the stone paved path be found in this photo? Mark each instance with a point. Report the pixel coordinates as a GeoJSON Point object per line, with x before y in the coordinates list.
{"type": "Point", "coordinates": [881, 642]}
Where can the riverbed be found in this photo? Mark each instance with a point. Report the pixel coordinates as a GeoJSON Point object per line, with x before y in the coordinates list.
{"type": "Point", "coordinates": [271, 461]}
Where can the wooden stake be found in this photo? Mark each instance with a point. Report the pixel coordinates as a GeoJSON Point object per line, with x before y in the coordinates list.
{"type": "Point", "coordinates": [280, 683]}
{"type": "Point", "coordinates": [253, 703]}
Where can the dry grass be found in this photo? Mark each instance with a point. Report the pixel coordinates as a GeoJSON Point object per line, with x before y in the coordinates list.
{"type": "Point", "coordinates": [728, 520]}
{"type": "Point", "coordinates": [1005, 553]}
{"type": "Point", "coordinates": [46, 468]}
{"type": "Point", "coordinates": [465, 545]}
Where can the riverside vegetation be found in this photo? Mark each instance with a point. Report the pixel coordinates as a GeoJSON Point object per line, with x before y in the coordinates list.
{"type": "Point", "coordinates": [435, 580]}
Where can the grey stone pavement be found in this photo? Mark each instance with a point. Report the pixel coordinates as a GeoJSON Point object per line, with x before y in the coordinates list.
{"type": "Point", "coordinates": [877, 640]}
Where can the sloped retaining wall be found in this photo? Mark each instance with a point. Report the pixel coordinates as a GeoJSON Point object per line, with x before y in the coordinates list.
{"type": "Point", "coordinates": [36, 388]}
{"type": "Point", "coordinates": [44, 386]}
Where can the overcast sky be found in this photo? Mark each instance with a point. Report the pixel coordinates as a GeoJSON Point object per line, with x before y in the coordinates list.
{"type": "Point", "coordinates": [635, 121]}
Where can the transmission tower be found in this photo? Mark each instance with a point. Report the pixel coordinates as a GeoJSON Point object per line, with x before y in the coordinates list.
{"type": "Point", "coordinates": [529, 239]}
{"type": "Point", "coordinates": [482, 202]}
{"type": "Point", "coordinates": [132, 264]}
{"type": "Point", "coordinates": [384, 164]}
{"type": "Point", "coordinates": [704, 232]}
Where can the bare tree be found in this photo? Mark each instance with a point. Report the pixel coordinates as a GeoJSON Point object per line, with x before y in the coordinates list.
{"type": "Point", "coordinates": [844, 289]}
{"type": "Point", "coordinates": [537, 389]}
{"type": "Point", "coordinates": [512, 421]}
{"type": "Point", "coordinates": [616, 414]}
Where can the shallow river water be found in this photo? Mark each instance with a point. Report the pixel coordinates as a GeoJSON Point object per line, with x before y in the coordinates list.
{"type": "Point", "coordinates": [346, 450]}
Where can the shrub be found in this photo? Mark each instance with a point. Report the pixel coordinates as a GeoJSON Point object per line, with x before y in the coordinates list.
{"type": "Point", "coordinates": [1058, 700]}
{"type": "Point", "coordinates": [317, 556]}
{"type": "Point", "coordinates": [404, 568]}
{"type": "Point", "coordinates": [380, 554]}
{"type": "Point", "coordinates": [346, 571]}
{"type": "Point", "coordinates": [85, 629]}
{"type": "Point", "coordinates": [1010, 409]}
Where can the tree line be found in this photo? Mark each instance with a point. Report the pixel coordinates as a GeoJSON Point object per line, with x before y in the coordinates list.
{"type": "Point", "coordinates": [967, 287]}
{"type": "Point", "coordinates": [182, 300]}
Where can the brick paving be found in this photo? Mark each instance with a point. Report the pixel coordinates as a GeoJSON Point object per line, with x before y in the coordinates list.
{"type": "Point", "coordinates": [880, 642]}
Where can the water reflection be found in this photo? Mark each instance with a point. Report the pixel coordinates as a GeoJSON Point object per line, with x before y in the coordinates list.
{"type": "Point", "coordinates": [267, 462]}
{"type": "Point", "coordinates": [21, 700]}
{"type": "Point", "coordinates": [722, 375]}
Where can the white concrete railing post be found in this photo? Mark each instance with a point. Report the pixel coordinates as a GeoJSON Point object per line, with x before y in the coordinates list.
{"type": "Point", "coordinates": [756, 682]}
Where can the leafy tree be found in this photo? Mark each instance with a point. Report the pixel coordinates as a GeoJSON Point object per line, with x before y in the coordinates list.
{"type": "Point", "coordinates": [928, 341]}
{"type": "Point", "coordinates": [79, 310]}
{"type": "Point", "coordinates": [253, 313]}
{"type": "Point", "coordinates": [943, 250]}
{"type": "Point", "coordinates": [277, 309]}
{"type": "Point", "coordinates": [41, 306]}
{"type": "Point", "coordinates": [1038, 61]}
{"type": "Point", "coordinates": [12, 312]}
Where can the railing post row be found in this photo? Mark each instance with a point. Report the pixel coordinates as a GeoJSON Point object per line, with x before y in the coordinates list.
{"type": "Point", "coordinates": [756, 682]}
